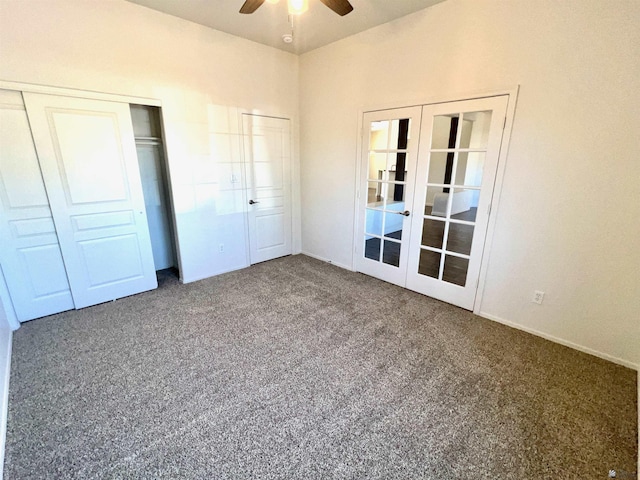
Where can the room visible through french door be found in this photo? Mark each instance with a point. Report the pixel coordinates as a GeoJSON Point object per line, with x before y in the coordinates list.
{"type": "Point", "coordinates": [425, 192]}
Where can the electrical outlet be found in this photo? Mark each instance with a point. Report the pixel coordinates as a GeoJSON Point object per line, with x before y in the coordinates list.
{"type": "Point", "coordinates": [538, 297]}
{"type": "Point", "coordinates": [221, 248]}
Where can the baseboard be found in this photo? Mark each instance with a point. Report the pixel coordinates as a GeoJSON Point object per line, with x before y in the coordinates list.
{"type": "Point", "coordinates": [326, 260]}
{"type": "Point", "coordinates": [4, 397]}
{"type": "Point", "coordinates": [566, 343]}
{"type": "Point", "coordinates": [197, 278]}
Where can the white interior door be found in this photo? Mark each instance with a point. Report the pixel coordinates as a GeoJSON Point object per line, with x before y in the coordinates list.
{"type": "Point", "coordinates": [388, 165]}
{"type": "Point", "coordinates": [459, 150]}
{"type": "Point", "coordinates": [267, 144]}
{"type": "Point", "coordinates": [88, 160]}
{"type": "Point", "coordinates": [30, 254]}
{"type": "Point", "coordinates": [427, 179]}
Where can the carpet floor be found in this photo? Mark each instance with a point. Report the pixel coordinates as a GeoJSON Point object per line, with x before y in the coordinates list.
{"type": "Point", "coordinates": [296, 369]}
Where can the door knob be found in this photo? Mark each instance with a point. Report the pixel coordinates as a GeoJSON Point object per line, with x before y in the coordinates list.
{"type": "Point", "coordinates": [251, 202]}
{"type": "Point", "coordinates": [406, 213]}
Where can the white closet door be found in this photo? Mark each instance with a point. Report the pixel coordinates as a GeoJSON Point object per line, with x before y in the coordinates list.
{"type": "Point", "coordinates": [88, 161]}
{"type": "Point", "coordinates": [268, 167]}
{"type": "Point", "coordinates": [30, 254]}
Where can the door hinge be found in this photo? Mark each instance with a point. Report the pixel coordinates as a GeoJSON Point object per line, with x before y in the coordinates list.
{"type": "Point", "coordinates": [504, 124]}
{"type": "Point", "coordinates": [489, 210]}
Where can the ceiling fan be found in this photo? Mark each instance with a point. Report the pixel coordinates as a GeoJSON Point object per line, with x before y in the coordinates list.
{"type": "Point", "coordinates": [341, 7]}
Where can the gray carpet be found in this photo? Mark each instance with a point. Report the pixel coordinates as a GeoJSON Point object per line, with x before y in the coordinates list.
{"type": "Point", "coordinates": [296, 369]}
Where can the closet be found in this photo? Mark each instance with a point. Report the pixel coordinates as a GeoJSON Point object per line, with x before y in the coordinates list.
{"type": "Point", "coordinates": [73, 220]}
{"type": "Point", "coordinates": [147, 129]}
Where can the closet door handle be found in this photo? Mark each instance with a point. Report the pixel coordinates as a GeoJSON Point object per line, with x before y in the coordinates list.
{"type": "Point", "coordinates": [252, 202]}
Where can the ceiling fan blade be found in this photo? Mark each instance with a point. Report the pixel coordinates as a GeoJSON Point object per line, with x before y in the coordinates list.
{"type": "Point", "coordinates": [251, 6]}
{"type": "Point", "coordinates": [341, 7]}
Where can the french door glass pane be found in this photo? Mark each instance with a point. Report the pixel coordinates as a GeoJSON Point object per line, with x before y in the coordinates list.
{"type": "Point", "coordinates": [459, 238]}
{"type": "Point", "coordinates": [377, 165]}
{"type": "Point", "coordinates": [429, 264]}
{"type": "Point", "coordinates": [396, 166]}
{"type": "Point", "coordinates": [393, 193]}
{"type": "Point", "coordinates": [455, 270]}
{"type": "Point", "coordinates": [372, 248]}
{"type": "Point", "coordinates": [438, 167]}
{"type": "Point", "coordinates": [437, 199]}
{"type": "Point", "coordinates": [374, 194]}
{"type": "Point", "coordinates": [469, 169]}
{"type": "Point", "coordinates": [475, 129]}
{"type": "Point", "coordinates": [379, 135]}
{"type": "Point", "coordinates": [393, 225]}
{"type": "Point", "coordinates": [373, 223]}
{"type": "Point", "coordinates": [464, 205]}
{"type": "Point", "coordinates": [433, 233]}
{"type": "Point", "coordinates": [442, 130]}
{"type": "Point", "coordinates": [391, 253]}
{"type": "Point", "coordinates": [389, 134]}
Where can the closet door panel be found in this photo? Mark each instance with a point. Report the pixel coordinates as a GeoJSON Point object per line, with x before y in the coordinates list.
{"type": "Point", "coordinates": [88, 161]}
{"type": "Point", "coordinates": [30, 255]}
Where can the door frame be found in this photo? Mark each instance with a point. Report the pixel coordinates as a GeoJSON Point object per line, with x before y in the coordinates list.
{"type": "Point", "coordinates": [512, 95]}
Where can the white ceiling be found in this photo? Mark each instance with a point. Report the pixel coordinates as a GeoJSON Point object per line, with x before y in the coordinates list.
{"type": "Point", "coordinates": [313, 29]}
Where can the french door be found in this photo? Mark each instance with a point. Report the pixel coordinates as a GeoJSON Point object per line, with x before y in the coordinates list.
{"type": "Point", "coordinates": [390, 155]}
{"type": "Point", "coordinates": [450, 170]}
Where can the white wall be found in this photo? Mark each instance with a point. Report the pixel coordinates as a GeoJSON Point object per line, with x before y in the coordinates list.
{"type": "Point", "coordinates": [203, 78]}
{"type": "Point", "coordinates": [568, 218]}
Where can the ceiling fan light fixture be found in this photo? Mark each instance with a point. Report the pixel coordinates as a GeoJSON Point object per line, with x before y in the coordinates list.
{"type": "Point", "coordinates": [296, 7]}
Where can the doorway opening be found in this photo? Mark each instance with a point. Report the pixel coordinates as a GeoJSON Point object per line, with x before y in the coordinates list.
{"type": "Point", "coordinates": [147, 130]}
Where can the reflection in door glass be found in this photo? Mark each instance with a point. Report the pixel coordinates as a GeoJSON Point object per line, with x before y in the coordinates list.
{"type": "Point", "coordinates": [455, 270]}
{"type": "Point", "coordinates": [391, 254]}
{"type": "Point", "coordinates": [429, 264]}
